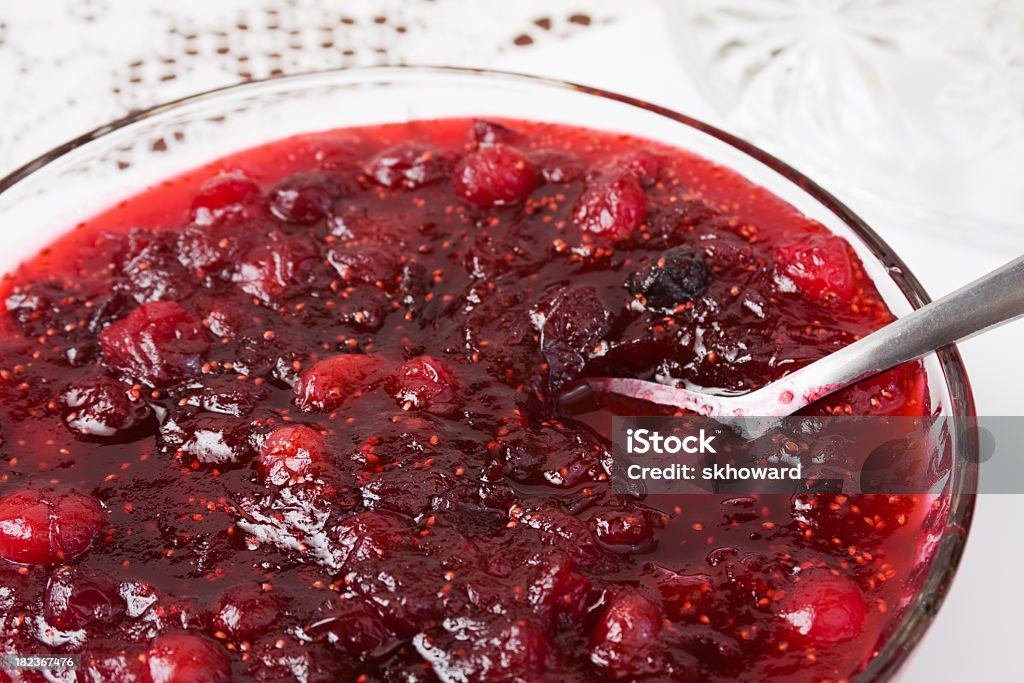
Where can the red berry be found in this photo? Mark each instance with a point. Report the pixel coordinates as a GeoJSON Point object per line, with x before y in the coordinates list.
{"type": "Point", "coordinates": [78, 597]}
{"type": "Point", "coordinates": [98, 405]}
{"type": "Point", "coordinates": [159, 343]}
{"type": "Point", "coordinates": [497, 649]}
{"type": "Point", "coordinates": [407, 491]}
{"type": "Point", "coordinates": [408, 165]}
{"type": "Point", "coordinates": [574, 324]}
{"type": "Point", "coordinates": [332, 381]}
{"type": "Point", "coordinates": [623, 529]}
{"type": "Point", "coordinates": [822, 609]}
{"type": "Point", "coordinates": [369, 536]}
{"type": "Point", "coordinates": [486, 133]}
{"type": "Point", "coordinates": [156, 272]}
{"type": "Point", "coordinates": [336, 153]}
{"type": "Point", "coordinates": [279, 268]}
{"type": "Point", "coordinates": [559, 166]}
{"type": "Point", "coordinates": [350, 624]}
{"type": "Point", "coordinates": [425, 383]}
{"type": "Point", "coordinates": [521, 648]}
{"type": "Point", "coordinates": [304, 198]}
{"type": "Point", "coordinates": [46, 526]}
{"type": "Point", "coordinates": [223, 196]}
{"type": "Point", "coordinates": [556, 589]}
{"type": "Point", "coordinates": [494, 176]}
{"type": "Point", "coordinates": [614, 206]}
{"type": "Point", "coordinates": [562, 529]}
{"type": "Point", "coordinates": [207, 248]}
{"type": "Point", "coordinates": [289, 451]}
{"type": "Point", "coordinates": [182, 657]}
{"type": "Point", "coordinates": [206, 438]}
{"type": "Point", "coordinates": [626, 634]}
{"type": "Point", "coordinates": [645, 165]}
{"type": "Point", "coordinates": [367, 265]}
{"type": "Point", "coordinates": [246, 611]}
{"type": "Point", "coordinates": [225, 395]}
{"type": "Point", "coordinates": [817, 265]}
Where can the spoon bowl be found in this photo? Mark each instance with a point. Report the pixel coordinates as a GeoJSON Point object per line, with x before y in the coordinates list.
{"type": "Point", "coordinates": [990, 301]}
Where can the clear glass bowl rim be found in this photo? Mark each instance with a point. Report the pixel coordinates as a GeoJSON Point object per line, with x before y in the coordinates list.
{"type": "Point", "coordinates": [887, 662]}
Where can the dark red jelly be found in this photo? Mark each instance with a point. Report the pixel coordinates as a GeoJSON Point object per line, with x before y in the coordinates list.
{"type": "Point", "coordinates": [294, 416]}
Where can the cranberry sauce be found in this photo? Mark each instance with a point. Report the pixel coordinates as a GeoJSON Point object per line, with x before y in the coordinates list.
{"type": "Point", "coordinates": [293, 416]}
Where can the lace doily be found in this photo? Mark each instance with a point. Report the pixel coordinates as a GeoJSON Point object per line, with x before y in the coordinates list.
{"type": "Point", "coordinates": [72, 65]}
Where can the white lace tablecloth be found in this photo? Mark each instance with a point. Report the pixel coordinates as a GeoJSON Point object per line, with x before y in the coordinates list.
{"type": "Point", "coordinates": [67, 66]}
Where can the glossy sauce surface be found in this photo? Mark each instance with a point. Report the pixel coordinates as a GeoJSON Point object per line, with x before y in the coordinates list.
{"type": "Point", "coordinates": [293, 416]}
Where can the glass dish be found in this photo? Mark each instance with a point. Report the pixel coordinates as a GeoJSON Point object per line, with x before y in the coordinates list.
{"type": "Point", "coordinates": [41, 200]}
{"type": "Point", "coordinates": [909, 108]}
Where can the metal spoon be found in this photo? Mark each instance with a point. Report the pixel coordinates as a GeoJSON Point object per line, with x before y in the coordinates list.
{"type": "Point", "coordinates": [988, 302]}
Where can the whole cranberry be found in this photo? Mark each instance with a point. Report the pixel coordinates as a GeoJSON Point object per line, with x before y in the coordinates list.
{"type": "Point", "coordinates": [425, 383]}
{"type": "Point", "coordinates": [409, 165]}
{"type": "Point", "coordinates": [494, 176]}
{"type": "Point", "coordinates": [159, 343]}
{"type": "Point", "coordinates": [225, 395]}
{"type": "Point", "coordinates": [98, 405]}
{"type": "Point", "coordinates": [206, 438]}
{"type": "Point", "coordinates": [45, 526]}
{"type": "Point", "coordinates": [280, 268]}
{"type": "Point", "coordinates": [325, 485]}
{"type": "Point", "coordinates": [288, 452]}
{"type": "Point", "coordinates": [556, 589]}
{"type": "Point", "coordinates": [330, 382]}
{"type": "Point", "coordinates": [336, 153]}
{"type": "Point", "coordinates": [351, 625]}
{"type": "Point", "coordinates": [644, 164]}
{"type": "Point", "coordinates": [559, 166]}
{"type": "Point", "coordinates": [522, 647]}
{"type": "Point", "coordinates": [207, 248]}
{"type": "Point", "coordinates": [183, 657]}
{"type": "Point", "coordinates": [369, 536]}
{"type": "Point", "coordinates": [246, 611]}
{"type": "Point", "coordinates": [562, 530]}
{"type": "Point", "coordinates": [497, 649]}
{"type": "Point", "coordinates": [156, 273]}
{"type": "Point", "coordinates": [78, 597]}
{"type": "Point", "coordinates": [366, 265]}
{"type": "Point", "coordinates": [626, 634]}
{"type": "Point", "coordinates": [818, 265]}
{"type": "Point", "coordinates": [223, 196]}
{"type": "Point", "coordinates": [304, 198]}
{"type": "Point", "coordinates": [574, 323]}
{"type": "Point", "coordinates": [822, 609]}
{"type": "Point", "coordinates": [614, 206]}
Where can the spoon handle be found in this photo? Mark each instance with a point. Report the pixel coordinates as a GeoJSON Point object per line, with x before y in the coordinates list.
{"type": "Point", "coordinates": [989, 301]}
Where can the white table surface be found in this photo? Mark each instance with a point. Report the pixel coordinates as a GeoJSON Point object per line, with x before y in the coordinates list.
{"type": "Point", "coordinates": [978, 630]}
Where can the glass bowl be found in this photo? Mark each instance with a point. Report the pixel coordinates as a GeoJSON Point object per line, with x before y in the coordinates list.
{"type": "Point", "coordinates": [55, 192]}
